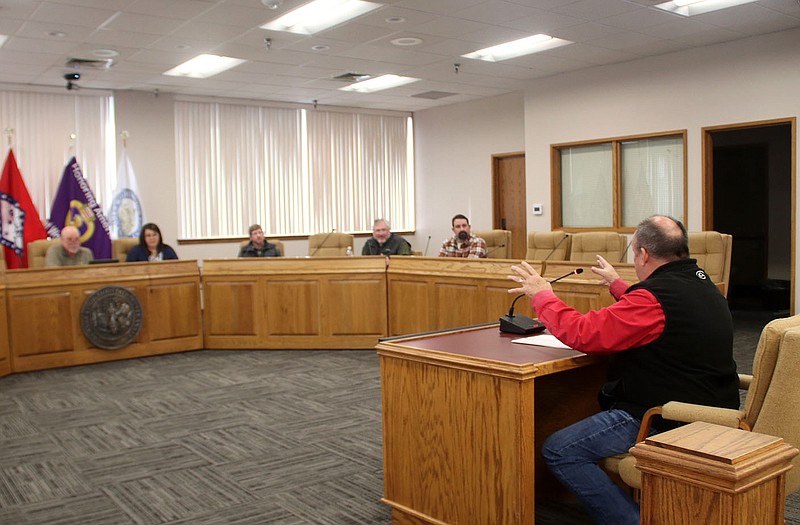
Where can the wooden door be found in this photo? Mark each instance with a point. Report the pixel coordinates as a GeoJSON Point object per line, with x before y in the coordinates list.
{"type": "Point", "coordinates": [508, 186]}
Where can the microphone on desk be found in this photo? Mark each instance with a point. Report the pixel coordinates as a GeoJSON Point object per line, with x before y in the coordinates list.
{"type": "Point", "coordinates": [519, 324]}
{"type": "Point", "coordinates": [625, 253]}
{"type": "Point", "coordinates": [522, 324]}
{"type": "Point", "coordinates": [564, 238]}
{"type": "Point", "coordinates": [488, 253]}
{"type": "Point", "coordinates": [576, 271]}
{"type": "Point", "coordinates": [426, 246]}
{"type": "Point", "coordinates": [323, 242]}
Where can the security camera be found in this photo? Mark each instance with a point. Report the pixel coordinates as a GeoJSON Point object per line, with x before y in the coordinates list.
{"type": "Point", "coordinates": [72, 76]}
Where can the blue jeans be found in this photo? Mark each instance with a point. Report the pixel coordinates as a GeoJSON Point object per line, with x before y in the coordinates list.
{"type": "Point", "coordinates": [573, 454]}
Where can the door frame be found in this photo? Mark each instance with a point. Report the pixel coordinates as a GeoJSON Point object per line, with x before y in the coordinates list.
{"type": "Point", "coordinates": [708, 180]}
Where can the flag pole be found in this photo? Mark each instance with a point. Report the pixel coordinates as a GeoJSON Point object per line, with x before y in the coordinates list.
{"type": "Point", "coordinates": [10, 135]}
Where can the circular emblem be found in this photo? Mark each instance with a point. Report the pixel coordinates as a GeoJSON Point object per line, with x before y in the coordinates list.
{"type": "Point", "coordinates": [111, 317]}
{"type": "Point", "coordinates": [701, 274]}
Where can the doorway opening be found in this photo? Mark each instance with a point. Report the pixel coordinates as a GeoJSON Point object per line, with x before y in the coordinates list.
{"type": "Point", "coordinates": [749, 190]}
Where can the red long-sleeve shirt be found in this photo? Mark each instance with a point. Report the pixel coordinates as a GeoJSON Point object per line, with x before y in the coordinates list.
{"type": "Point", "coordinates": [636, 319]}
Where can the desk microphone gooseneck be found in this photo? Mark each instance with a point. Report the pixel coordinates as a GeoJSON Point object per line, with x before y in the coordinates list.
{"type": "Point", "coordinates": [522, 324]}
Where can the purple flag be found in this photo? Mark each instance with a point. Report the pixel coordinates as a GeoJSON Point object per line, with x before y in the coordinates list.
{"type": "Point", "coordinates": [75, 205]}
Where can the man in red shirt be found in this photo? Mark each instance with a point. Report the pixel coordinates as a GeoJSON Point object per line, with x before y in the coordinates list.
{"type": "Point", "coordinates": [669, 337]}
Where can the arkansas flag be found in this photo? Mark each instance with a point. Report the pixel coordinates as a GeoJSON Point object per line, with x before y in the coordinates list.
{"type": "Point", "coordinates": [20, 221]}
{"type": "Point", "coordinates": [75, 205]}
{"type": "Point", "coordinates": [125, 213]}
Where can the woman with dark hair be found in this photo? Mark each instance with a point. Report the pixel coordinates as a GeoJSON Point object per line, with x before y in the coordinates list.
{"type": "Point", "coordinates": [151, 247]}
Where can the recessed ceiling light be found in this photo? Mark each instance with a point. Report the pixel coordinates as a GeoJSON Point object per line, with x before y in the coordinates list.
{"type": "Point", "coordinates": [406, 41]}
{"type": "Point", "coordinates": [320, 47]}
{"type": "Point", "coordinates": [204, 66]}
{"type": "Point", "coordinates": [319, 15]}
{"type": "Point", "coordinates": [379, 83]}
{"type": "Point", "coordinates": [56, 34]}
{"type": "Point", "coordinates": [517, 48]}
{"type": "Point", "coordinates": [394, 20]}
{"type": "Point", "coordinates": [105, 53]}
{"type": "Point", "coordinates": [183, 46]}
{"type": "Point", "coordinates": [698, 7]}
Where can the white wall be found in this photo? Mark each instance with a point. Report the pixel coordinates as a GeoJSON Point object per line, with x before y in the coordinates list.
{"type": "Point", "coordinates": [454, 145]}
{"type": "Point", "coordinates": [743, 81]}
{"type": "Point", "coordinates": [746, 80]}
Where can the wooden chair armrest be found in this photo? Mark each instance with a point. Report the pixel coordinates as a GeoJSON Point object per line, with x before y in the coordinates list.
{"type": "Point", "coordinates": [744, 381]}
{"type": "Point", "coordinates": [689, 413]}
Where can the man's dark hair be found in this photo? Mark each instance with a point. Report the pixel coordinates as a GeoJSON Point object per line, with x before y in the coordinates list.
{"type": "Point", "coordinates": [662, 242]}
{"type": "Point", "coordinates": [459, 216]}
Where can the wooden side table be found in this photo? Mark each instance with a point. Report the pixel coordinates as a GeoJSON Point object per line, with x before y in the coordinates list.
{"type": "Point", "coordinates": [712, 475]}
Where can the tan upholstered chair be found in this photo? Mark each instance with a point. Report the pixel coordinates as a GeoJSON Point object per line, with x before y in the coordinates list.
{"type": "Point", "coordinates": [586, 245]}
{"type": "Point", "coordinates": [551, 246]}
{"type": "Point", "coordinates": [329, 244]}
{"type": "Point", "coordinates": [498, 243]}
{"type": "Point", "coordinates": [121, 247]}
{"type": "Point", "coordinates": [713, 253]}
{"type": "Point", "coordinates": [773, 395]}
{"type": "Point", "coordinates": [276, 242]}
{"type": "Point", "coordinates": [37, 250]}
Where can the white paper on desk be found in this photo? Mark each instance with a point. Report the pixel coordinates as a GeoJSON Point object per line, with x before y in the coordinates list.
{"type": "Point", "coordinates": [542, 340]}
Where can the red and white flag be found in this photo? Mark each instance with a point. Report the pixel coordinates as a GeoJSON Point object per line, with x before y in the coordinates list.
{"type": "Point", "coordinates": [19, 221]}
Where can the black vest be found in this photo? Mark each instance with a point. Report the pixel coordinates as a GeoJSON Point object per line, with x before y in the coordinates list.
{"type": "Point", "coordinates": [692, 360]}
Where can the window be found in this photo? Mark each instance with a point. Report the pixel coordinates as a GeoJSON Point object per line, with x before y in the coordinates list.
{"type": "Point", "coordinates": [293, 171]}
{"type": "Point", "coordinates": [615, 183]}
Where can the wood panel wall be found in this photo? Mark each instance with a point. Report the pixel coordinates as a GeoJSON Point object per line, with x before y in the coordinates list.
{"type": "Point", "coordinates": [5, 351]}
{"type": "Point", "coordinates": [319, 302]}
{"type": "Point", "coordinates": [44, 305]}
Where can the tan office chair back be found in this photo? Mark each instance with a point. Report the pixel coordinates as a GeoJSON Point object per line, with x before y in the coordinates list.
{"type": "Point", "coordinates": [37, 250]}
{"type": "Point", "coordinates": [276, 242]}
{"type": "Point", "coordinates": [551, 246]}
{"type": "Point", "coordinates": [587, 245]}
{"type": "Point", "coordinates": [329, 244]}
{"type": "Point", "coordinates": [498, 243]}
{"type": "Point", "coordinates": [121, 247]}
{"type": "Point", "coordinates": [778, 413]}
{"type": "Point", "coordinates": [713, 253]}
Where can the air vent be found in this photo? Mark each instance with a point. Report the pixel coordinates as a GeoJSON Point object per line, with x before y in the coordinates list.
{"type": "Point", "coordinates": [434, 95]}
{"type": "Point", "coordinates": [352, 77]}
{"type": "Point", "coordinates": [89, 63]}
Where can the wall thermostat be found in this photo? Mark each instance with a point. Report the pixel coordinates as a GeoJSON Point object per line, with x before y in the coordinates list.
{"type": "Point", "coordinates": [537, 209]}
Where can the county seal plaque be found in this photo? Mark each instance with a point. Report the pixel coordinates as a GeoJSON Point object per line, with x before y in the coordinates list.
{"type": "Point", "coordinates": [111, 317]}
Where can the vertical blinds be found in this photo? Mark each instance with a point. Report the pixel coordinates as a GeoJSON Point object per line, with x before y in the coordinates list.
{"type": "Point", "coordinates": [295, 172]}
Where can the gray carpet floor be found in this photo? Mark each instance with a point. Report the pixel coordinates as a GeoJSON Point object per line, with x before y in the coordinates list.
{"type": "Point", "coordinates": [213, 437]}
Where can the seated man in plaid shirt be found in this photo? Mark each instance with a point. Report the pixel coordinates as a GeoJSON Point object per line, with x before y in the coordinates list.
{"type": "Point", "coordinates": [463, 243]}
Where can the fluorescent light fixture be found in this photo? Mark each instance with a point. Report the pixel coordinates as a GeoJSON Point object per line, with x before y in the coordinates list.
{"type": "Point", "coordinates": [3, 39]}
{"type": "Point", "coordinates": [698, 7]}
{"type": "Point", "coordinates": [517, 48]}
{"type": "Point", "coordinates": [204, 66]}
{"type": "Point", "coordinates": [319, 15]}
{"type": "Point", "coordinates": [379, 83]}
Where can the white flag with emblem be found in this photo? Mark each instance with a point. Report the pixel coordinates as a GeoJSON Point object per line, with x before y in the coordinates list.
{"type": "Point", "coordinates": [125, 214]}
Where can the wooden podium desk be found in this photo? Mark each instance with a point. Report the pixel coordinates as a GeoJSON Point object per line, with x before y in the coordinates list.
{"type": "Point", "coordinates": [44, 305]}
{"type": "Point", "coordinates": [465, 413]}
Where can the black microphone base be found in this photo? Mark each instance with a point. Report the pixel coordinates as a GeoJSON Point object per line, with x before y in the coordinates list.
{"type": "Point", "coordinates": [520, 324]}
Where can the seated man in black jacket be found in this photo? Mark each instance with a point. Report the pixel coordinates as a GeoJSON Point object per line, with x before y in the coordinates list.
{"type": "Point", "coordinates": [258, 246]}
{"type": "Point", "coordinates": [384, 242]}
{"type": "Point", "coordinates": [669, 338]}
